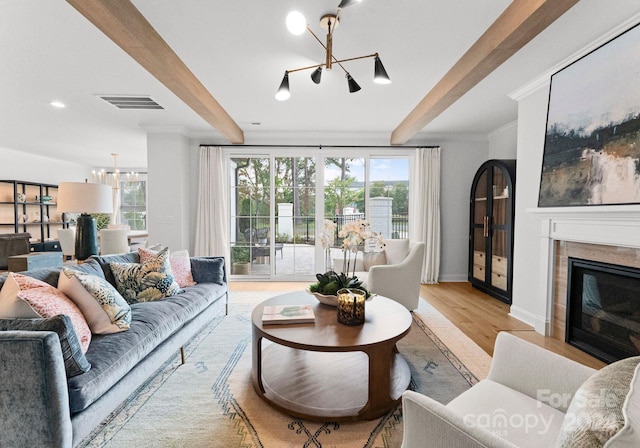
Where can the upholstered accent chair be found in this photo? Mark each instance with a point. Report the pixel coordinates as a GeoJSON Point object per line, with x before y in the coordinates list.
{"type": "Point", "coordinates": [395, 271]}
{"type": "Point", "coordinates": [532, 398]}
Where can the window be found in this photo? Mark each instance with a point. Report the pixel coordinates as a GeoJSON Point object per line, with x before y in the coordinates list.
{"type": "Point", "coordinates": [280, 196]}
{"type": "Point", "coordinates": [133, 201]}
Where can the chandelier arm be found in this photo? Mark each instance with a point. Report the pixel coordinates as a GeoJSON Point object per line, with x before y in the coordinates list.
{"type": "Point", "coordinates": [305, 68]}
{"type": "Point", "coordinates": [334, 60]}
{"type": "Point", "coordinates": [356, 58]}
{"type": "Point", "coordinates": [317, 38]}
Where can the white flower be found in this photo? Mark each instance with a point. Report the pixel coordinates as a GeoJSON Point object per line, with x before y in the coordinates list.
{"type": "Point", "coordinates": [327, 233]}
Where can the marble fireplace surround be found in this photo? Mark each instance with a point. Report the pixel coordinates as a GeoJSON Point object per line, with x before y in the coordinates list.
{"type": "Point", "coordinates": [609, 234]}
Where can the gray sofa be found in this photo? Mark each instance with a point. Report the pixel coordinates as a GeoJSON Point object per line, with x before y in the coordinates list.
{"type": "Point", "coordinates": [41, 407]}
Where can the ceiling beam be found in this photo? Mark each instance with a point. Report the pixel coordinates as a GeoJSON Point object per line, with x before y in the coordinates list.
{"type": "Point", "coordinates": [520, 22]}
{"type": "Point", "coordinates": [121, 21]}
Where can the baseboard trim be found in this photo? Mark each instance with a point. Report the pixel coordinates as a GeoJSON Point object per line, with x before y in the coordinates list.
{"type": "Point", "coordinates": [539, 323]}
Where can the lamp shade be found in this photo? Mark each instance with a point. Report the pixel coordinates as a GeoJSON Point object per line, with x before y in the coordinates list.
{"type": "Point", "coordinates": [379, 73]}
{"type": "Point", "coordinates": [353, 85]}
{"type": "Point", "coordinates": [316, 76]}
{"type": "Point", "coordinates": [83, 197]}
{"type": "Point", "coordinates": [283, 92]}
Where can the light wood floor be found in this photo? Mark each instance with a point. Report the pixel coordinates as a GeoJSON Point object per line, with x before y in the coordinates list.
{"type": "Point", "coordinates": [478, 315]}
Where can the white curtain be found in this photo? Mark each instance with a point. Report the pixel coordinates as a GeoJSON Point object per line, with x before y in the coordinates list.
{"type": "Point", "coordinates": [212, 233]}
{"type": "Point", "coordinates": [424, 213]}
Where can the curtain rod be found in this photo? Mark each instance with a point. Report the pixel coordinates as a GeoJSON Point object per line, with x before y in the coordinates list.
{"type": "Point", "coordinates": [323, 146]}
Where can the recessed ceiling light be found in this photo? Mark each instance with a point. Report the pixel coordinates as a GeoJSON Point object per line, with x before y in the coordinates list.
{"type": "Point", "coordinates": [58, 104]}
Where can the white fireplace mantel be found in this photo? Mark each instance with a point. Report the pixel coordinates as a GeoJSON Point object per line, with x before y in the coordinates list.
{"type": "Point", "coordinates": [609, 225]}
{"type": "Point", "coordinates": [617, 225]}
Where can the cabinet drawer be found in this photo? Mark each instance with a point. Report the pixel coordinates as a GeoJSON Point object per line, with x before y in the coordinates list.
{"type": "Point", "coordinates": [499, 265]}
{"type": "Point", "coordinates": [478, 272]}
{"type": "Point", "coordinates": [479, 258]}
{"type": "Point", "coordinates": [499, 281]}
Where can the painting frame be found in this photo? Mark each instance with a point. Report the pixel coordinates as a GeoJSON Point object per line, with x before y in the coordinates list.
{"type": "Point", "coordinates": [591, 151]}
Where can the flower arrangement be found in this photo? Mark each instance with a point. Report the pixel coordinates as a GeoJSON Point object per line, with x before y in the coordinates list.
{"type": "Point", "coordinates": [326, 237]}
{"type": "Point", "coordinates": [354, 235]}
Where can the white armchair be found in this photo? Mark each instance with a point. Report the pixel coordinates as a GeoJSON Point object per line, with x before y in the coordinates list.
{"type": "Point", "coordinates": [400, 278]}
{"type": "Point", "coordinates": [522, 403]}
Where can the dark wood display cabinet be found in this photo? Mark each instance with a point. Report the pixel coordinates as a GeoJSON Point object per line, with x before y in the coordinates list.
{"type": "Point", "coordinates": [491, 228]}
{"type": "Point", "coordinates": [31, 207]}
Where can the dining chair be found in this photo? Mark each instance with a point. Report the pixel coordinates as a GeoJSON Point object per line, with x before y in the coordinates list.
{"type": "Point", "coordinates": [67, 238]}
{"type": "Point", "coordinates": [113, 241]}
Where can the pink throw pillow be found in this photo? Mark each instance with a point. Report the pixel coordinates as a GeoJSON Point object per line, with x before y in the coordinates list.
{"type": "Point", "coordinates": [180, 265]}
{"type": "Point", "coordinates": [24, 296]}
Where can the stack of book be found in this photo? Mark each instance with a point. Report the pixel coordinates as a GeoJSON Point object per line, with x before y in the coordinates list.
{"type": "Point", "coordinates": [288, 314]}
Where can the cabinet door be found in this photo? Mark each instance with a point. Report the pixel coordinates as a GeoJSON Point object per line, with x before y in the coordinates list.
{"type": "Point", "coordinates": [500, 223]}
{"type": "Point", "coordinates": [480, 209]}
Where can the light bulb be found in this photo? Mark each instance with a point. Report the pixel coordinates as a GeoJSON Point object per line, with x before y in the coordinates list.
{"type": "Point", "coordinates": [296, 23]}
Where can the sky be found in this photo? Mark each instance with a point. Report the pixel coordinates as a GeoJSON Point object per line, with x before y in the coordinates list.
{"type": "Point", "coordinates": [381, 169]}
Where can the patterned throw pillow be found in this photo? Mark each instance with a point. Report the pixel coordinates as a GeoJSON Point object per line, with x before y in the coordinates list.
{"type": "Point", "coordinates": [180, 264]}
{"type": "Point", "coordinates": [103, 307]}
{"type": "Point", "coordinates": [145, 282]}
{"type": "Point", "coordinates": [75, 362]}
{"type": "Point", "coordinates": [595, 413]}
{"type": "Point", "coordinates": [24, 296]}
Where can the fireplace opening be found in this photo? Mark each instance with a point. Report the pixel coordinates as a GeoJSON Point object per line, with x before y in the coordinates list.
{"type": "Point", "coordinates": [603, 309]}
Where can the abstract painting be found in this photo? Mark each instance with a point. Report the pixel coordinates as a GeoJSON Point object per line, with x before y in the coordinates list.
{"type": "Point", "coordinates": [592, 142]}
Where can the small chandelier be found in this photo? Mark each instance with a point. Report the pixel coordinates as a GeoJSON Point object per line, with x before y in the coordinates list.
{"type": "Point", "coordinates": [297, 24]}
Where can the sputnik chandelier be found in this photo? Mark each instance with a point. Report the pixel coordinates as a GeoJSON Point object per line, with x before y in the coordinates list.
{"type": "Point", "coordinates": [297, 25]}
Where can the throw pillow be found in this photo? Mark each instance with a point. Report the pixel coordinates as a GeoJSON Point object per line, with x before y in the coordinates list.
{"type": "Point", "coordinates": [24, 296]}
{"type": "Point", "coordinates": [103, 307]}
{"type": "Point", "coordinates": [374, 259]}
{"type": "Point", "coordinates": [180, 264]}
{"type": "Point", "coordinates": [75, 362]}
{"type": "Point", "coordinates": [595, 412]}
{"type": "Point", "coordinates": [145, 282]}
{"type": "Point", "coordinates": [396, 250]}
{"type": "Point", "coordinates": [208, 270]}
{"type": "Point", "coordinates": [629, 436]}
{"type": "Point", "coordinates": [47, 301]}
{"type": "Point", "coordinates": [10, 304]}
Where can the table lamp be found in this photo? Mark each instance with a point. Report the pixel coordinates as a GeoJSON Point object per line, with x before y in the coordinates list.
{"type": "Point", "coordinates": [85, 198]}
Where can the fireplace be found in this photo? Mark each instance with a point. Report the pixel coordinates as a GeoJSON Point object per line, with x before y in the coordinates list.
{"type": "Point", "coordinates": [603, 309]}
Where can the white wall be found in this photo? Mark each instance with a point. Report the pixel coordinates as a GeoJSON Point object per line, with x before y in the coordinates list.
{"type": "Point", "coordinates": [503, 142]}
{"type": "Point", "coordinates": [20, 165]}
{"type": "Point", "coordinates": [532, 115]}
{"type": "Point", "coordinates": [169, 193]}
{"type": "Point", "coordinates": [460, 161]}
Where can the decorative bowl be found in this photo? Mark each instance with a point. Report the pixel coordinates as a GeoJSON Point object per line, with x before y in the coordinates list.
{"type": "Point", "coordinates": [322, 298]}
{"type": "Point", "coordinates": [330, 300]}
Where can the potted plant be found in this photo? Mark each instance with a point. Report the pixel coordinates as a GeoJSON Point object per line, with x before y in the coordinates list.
{"type": "Point", "coordinates": [240, 263]}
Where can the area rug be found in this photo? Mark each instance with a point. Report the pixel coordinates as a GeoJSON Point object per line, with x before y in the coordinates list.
{"type": "Point", "coordinates": [210, 401]}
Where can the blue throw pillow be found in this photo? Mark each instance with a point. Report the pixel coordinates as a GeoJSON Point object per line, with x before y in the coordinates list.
{"type": "Point", "coordinates": [75, 362]}
{"type": "Point", "coordinates": [208, 270]}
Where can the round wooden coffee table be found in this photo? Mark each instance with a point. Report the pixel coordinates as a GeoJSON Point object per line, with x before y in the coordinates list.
{"type": "Point", "coordinates": [330, 371]}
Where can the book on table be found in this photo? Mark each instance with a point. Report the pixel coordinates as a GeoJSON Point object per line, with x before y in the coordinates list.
{"type": "Point", "coordinates": [288, 314]}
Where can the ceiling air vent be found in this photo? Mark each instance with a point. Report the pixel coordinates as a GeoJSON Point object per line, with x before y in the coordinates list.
{"type": "Point", "coordinates": [131, 102]}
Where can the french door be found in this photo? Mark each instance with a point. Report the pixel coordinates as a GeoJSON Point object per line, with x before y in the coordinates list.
{"type": "Point", "coordinates": [279, 200]}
